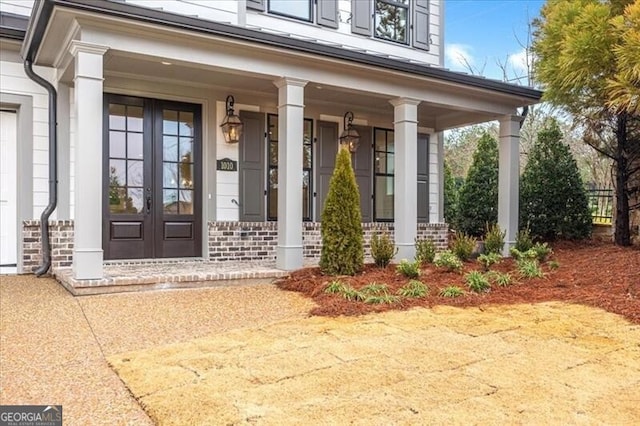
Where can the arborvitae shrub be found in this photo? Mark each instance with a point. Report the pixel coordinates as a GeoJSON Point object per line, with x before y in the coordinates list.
{"type": "Point", "coordinates": [341, 228]}
{"type": "Point", "coordinates": [478, 203]}
{"type": "Point", "coordinates": [450, 196]}
{"type": "Point", "coordinates": [553, 200]}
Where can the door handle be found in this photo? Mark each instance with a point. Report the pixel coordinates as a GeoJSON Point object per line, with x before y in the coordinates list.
{"type": "Point", "coordinates": [148, 204]}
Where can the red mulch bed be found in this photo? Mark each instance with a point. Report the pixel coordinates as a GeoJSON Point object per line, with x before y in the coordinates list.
{"type": "Point", "coordinates": [591, 273]}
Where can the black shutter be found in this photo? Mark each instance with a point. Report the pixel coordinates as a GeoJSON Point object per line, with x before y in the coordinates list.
{"type": "Point", "coordinates": [252, 167]}
{"type": "Point", "coordinates": [326, 152]}
{"type": "Point", "coordinates": [421, 24]}
{"type": "Point", "coordinates": [256, 5]}
{"type": "Point", "coordinates": [423, 178]}
{"type": "Point", "coordinates": [361, 17]}
{"type": "Point", "coordinates": [328, 13]}
{"type": "Point", "coordinates": [362, 166]}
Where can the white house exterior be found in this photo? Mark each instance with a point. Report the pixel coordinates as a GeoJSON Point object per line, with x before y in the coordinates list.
{"type": "Point", "coordinates": [143, 170]}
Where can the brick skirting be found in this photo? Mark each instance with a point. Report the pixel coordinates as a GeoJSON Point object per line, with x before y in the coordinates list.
{"type": "Point", "coordinates": [228, 241]}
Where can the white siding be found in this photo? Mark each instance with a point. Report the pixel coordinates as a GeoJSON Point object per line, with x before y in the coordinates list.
{"type": "Point", "coordinates": [17, 7]}
{"type": "Point", "coordinates": [15, 81]}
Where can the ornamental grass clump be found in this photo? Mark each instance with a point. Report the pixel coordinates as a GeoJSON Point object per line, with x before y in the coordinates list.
{"type": "Point", "coordinates": [494, 239]}
{"type": "Point", "coordinates": [463, 246]}
{"type": "Point", "coordinates": [414, 289]}
{"type": "Point", "coordinates": [382, 250]}
{"type": "Point", "coordinates": [342, 242]}
{"type": "Point", "coordinates": [425, 250]}
{"type": "Point", "coordinates": [477, 282]}
{"type": "Point", "coordinates": [409, 269]}
{"type": "Point", "coordinates": [451, 291]}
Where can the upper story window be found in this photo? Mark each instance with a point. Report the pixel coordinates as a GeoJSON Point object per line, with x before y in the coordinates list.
{"type": "Point", "coordinates": [391, 20]}
{"type": "Point", "coordinates": [297, 9]}
{"type": "Point", "coordinates": [323, 12]}
{"type": "Point", "coordinates": [400, 21]}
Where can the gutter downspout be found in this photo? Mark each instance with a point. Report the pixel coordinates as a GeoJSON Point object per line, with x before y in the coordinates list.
{"type": "Point", "coordinates": [53, 167]}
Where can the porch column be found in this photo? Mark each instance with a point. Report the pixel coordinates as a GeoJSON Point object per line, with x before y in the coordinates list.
{"type": "Point", "coordinates": [290, 137]}
{"type": "Point", "coordinates": [63, 209]}
{"type": "Point", "coordinates": [87, 252]}
{"type": "Point", "coordinates": [405, 203]}
{"type": "Point", "coordinates": [509, 178]}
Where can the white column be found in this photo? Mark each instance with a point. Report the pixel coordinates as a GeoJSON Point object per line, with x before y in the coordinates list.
{"type": "Point", "coordinates": [406, 176]}
{"type": "Point", "coordinates": [290, 137]}
{"type": "Point", "coordinates": [63, 209]}
{"type": "Point", "coordinates": [436, 181]}
{"type": "Point", "coordinates": [87, 252]}
{"type": "Point", "coordinates": [509, 178]}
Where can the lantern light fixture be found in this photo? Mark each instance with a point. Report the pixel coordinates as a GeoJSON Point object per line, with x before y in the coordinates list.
{"type": "Point", "coordinates": [231, 125]}
{"type": "Point", "coordinates": [349, 138]}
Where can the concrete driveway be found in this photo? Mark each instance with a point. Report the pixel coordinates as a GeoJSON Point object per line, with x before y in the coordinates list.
{"type": "Point", "coordinates": [250, 355]}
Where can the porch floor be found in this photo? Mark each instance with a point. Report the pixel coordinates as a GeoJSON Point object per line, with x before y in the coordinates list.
{"type": "Point", "coordinates": [169, 274]}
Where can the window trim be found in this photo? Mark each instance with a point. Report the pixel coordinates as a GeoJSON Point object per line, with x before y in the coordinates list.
{"type": "Point", "coordinates": [270, 167]}
{"type": "Point", "coordinates": [297, 18]}
{"type": "Point", "coordinates": [376, 174]}
{"type": "Point", "coordinates": [408, 27]}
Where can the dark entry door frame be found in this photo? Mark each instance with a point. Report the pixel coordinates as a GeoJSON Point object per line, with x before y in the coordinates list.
{"type": "Point", "coordinates": [152, 179]}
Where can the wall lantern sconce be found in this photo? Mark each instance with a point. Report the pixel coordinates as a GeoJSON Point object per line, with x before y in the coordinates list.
{"type": "Point", "coordinates": [350, 137]}
{"type": "Point", "coordinates": [232, 125]}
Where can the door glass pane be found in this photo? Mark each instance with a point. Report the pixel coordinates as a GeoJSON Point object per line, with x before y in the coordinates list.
{"type": "Point", "coordinates": [170, 201]}
{"type": "Point", "coordinates": [381, 162]}
{"type": "Point", "coordinates": [117, 144]}
{"type": "Point", "coordinates": [170, 175]}
{"type": "Point", "coordinates": [117, 115]}
{"type": "Point", "coordinates": [117, 172]}
{"type": "Point", "coordinates": [134, 200]}
{"type": "Point", "coordinates": [273, 127]}
{"type": "Point", "coordinates": [134, 119]}
{"type": "Point", "coordinates": [134, 146]}
{"type": "Point", "coordinates": [307, 157]}
{"type": "Point", "coordinates": [169, 122]}
{"type": "Point", "coordinates": [186, 175]}
{"type": "Point", "coordinates": [135, 172]}
{"type": "Point", "coordinates": [306, 207]}
{"type": "Point", "coordinates": [186, 202]}
{"type": "Point", "coordinates": [170, 148]}
{"type": "Point", "coordinates": [272, 209]}
{"type": "Point", "coordinates": [381, 140]}
{"type": "Point", "coordinates": [186, 124]}
{"type": "Point", "coordinates": [273, 153]}
{"type": "Point", "coordinates": [186, 149]}
{"type": "Point", "coordinates": [390, 164]}
{"type": "Point", "coordinates": [117, 199]}
{"type": "Point", "coordinates": [391, 141]}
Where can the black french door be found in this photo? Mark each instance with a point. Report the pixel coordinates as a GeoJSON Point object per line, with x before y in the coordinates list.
{"type": "Point", "coordinates": [152, 203]}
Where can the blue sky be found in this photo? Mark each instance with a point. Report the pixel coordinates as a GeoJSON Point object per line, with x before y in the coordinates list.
{"type": "Point", "coordinates": [482, 32]}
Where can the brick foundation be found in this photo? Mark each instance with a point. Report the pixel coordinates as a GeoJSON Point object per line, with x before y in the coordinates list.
{"type": "Point", "coordinates": [228, 241]}
{"type": "Point", "coordinates": [60, 237]}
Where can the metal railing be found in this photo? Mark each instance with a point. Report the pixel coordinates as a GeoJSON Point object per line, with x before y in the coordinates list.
{"type": "Point", "coordinates": [601, 205]}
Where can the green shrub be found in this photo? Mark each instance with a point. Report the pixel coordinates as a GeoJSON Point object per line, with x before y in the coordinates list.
{"type": "Point", "coordinates": [553, 265]}
{"type": "Point", "coordinates": [342, 242]}
{"type": "Point", "coordinates": [500, 279]}
{"type": "Point", "coordinates": [335, 287]}
{"type": "Point", "coordinates": [409, 269]}
{"type": "Point", "coordinates": [478, 201]}
{"type": "Point", "coordinates": [529, 268]}
{"type": "Point", "coordinates": [414, 289]}
{"type": "Point", "coordinates": [542, 251]}
{"type": "Point", "coordinates": [524, 241]}
{"type": "Point", "coordinates": [452, 291]}
{"type": "Point", "coordinates": [463, 245]}
{"type": "Point", "coordinates": [520, 255]}
{"type": "Point", "coordinates": [425, 250]}
{"type": "Point", "coordinates": [553, 199]}
{"type": "Point", "coordinates": [477, 282]}
{"type": "Point", "coordinates": [448, 260]}
{"type": "Point", "coordinates": [486, 260]}
{"type": "Point", "coordinates": [494, 239]}
{"type": "Point", "coordinates": [382, 250]}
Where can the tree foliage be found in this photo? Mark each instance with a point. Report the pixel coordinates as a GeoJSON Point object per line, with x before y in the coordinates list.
{"type": "Point", "coordinates": [342, 241]}
{"type": "Point", "coordinates": [478, 204]}
{"type": "Point", "coordinates": [587, 59]}
{"type": "Point", "coordinates": [553, 201]}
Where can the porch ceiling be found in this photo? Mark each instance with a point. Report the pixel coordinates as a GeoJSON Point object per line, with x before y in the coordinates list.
{"type": "Point", "coordinates": [246, 88]}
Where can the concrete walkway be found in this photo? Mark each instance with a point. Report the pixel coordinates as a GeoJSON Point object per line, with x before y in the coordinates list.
{"type": "Point", "coordinates": [53, 346]}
